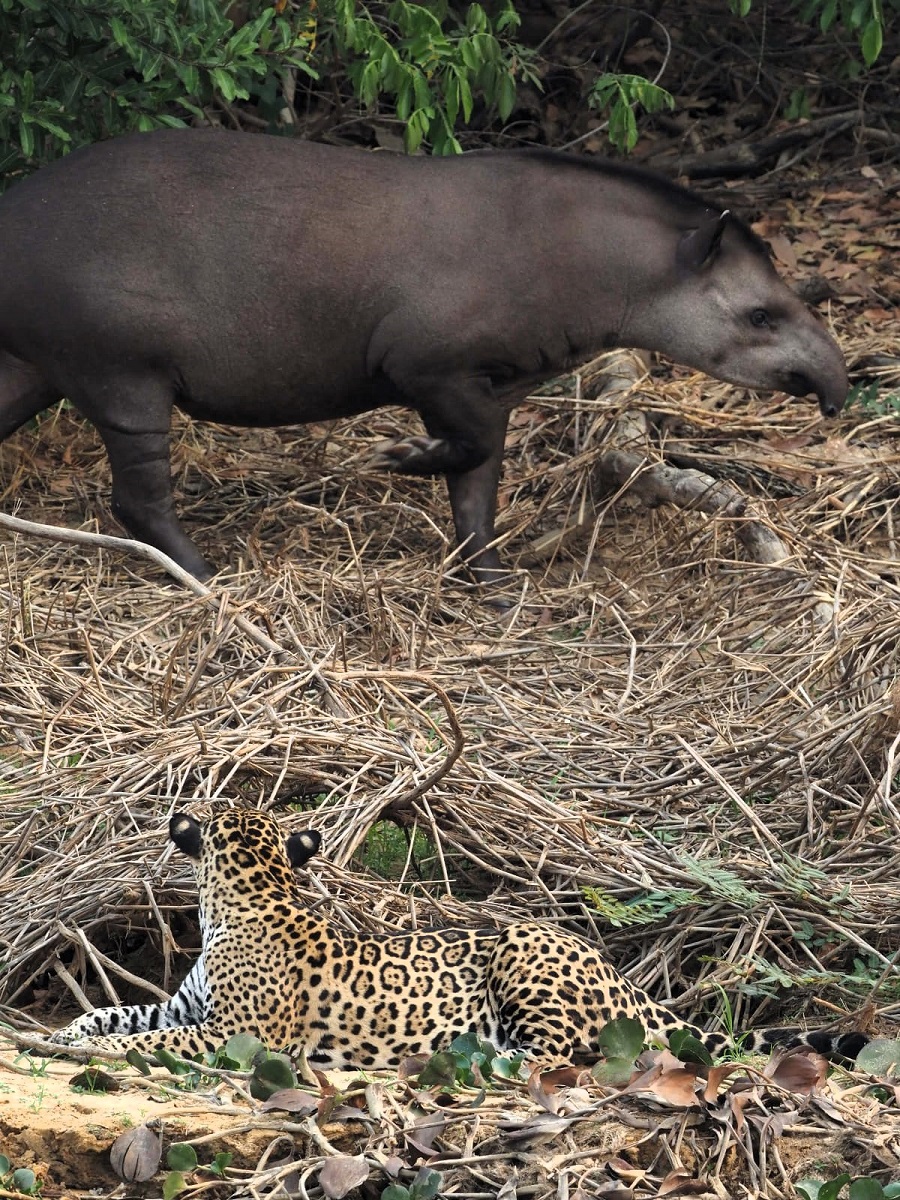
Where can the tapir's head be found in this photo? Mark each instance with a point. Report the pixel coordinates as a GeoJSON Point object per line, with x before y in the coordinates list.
{"type": "Point", "coordinates": [729, 314]}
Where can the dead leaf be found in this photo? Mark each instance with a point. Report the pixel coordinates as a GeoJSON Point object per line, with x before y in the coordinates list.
{"type": "Point", "coordinates": [93, 1079]}
{"type": "Point", "coordinates": [562, 1077]}
{"type": "Point", "coordinates": [797, 1070]}
{"type": "Point", "coordinates": [410, 1068]}
{"type": "Point", "coordinates": [546, 1098]}
{"type": "Point", "coordinates": [784, 252]}
{"type": "Point", "coordinates": [424, 1132]}
{"type": "Point", "coordinates": [341, 1175]}
{"type": "Point", "coordinates": [291, 1100]}
{"type": "Point", "coordinates": [715, 1079]}
{"type": "Point", "coordinates": [682, 1181]}
{"type": "Point", "coordinates": [543, 1127]}
{"type": "Point", "coordinates": [135, 1154]}
{"type": "Point", "coordinates": [508, 1190]}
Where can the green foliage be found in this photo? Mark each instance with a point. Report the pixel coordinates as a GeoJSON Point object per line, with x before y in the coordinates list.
{"type": "Point", "coordinates": [620, 94]}
{"type": "Point", "coordinates": [72, 74]}
{"type": "Point", "coordinates": [688, 1048]}
{"type": "Point", "coordinates": [22, 1179]}
{"type": "Point", "coordinates": [182, 1159]}
{"type": "Point", "coordinates": [872, 401]}
{"type": "Point", "coordinates": [862, 1188]}
{"type": "Point", "coordinates": [880, 1057]}
{"type": "Point", "coordinates": [620, 1042]}
{"type": "Point", "coordinates": [865, 19]}
{"type": "Point", "coordinates": [425, 1186]}
{"type": "Point", "coordinates": [430, 64]}
{"type": "Point", "coordinates": [469, 1062]}
{"type": "Point", "coordinates": [645, 909]}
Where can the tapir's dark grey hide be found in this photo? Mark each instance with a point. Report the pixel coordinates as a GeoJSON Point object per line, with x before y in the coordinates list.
{"type": "Point", "coordinates": [263, 281]}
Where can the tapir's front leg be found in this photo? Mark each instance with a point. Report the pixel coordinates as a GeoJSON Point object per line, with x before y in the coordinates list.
{"type": "Point", "coordinates": [467, 432]}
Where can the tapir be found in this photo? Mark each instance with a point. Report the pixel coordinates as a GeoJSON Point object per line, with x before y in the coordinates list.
{"type": "Point", "coordinates": [259, 281]}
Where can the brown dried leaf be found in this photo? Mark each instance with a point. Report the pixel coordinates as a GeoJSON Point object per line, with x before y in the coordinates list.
{"type": "Point", "coordinates": [341, 1175]}
{"type": "Point", "coordinates": [677, 1087]}
{"type": "Point", "coordinates": [540, 1094]}
{"type": "Point", "coordinates": [543, 1127]}
{"type": "Point", "coordinates": [562, 1077]}
{"type": "Point", "coordinates": [410, 1067]}
{"type": "Point", "coordinates": [682, 1181]}
{"type": "Point", "coordinates": [716, 1077]}
{"type": "Point", "coordinates": [424, 1132]}
{"type": "Point", "coordinates": [784, 252]}
{"type": "Point", "coordinates": [509, 1189]}
{"type": "Point", "coordinates": [93, 1079]}
{"type": "Point", "coordinates": [135, 1154]}
{"type": "Point", "coordinates": [797, 1070]}
{"type": "Point", "coordinates": [291, 1100]}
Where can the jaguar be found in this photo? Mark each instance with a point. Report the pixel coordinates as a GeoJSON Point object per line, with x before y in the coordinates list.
{"type": "Point", "coordinates": [272, 968]}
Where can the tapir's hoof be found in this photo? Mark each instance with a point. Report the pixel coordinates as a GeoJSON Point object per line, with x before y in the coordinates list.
{"type": "Point", "coordinates": [410, 454]}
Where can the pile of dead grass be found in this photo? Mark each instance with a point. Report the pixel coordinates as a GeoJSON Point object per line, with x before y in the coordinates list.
{"type": "Point", "coordinates": [657, 725]}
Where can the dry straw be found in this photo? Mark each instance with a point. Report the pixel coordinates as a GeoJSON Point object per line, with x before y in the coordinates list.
{"type": "Point", "coordinates": [706, 742]}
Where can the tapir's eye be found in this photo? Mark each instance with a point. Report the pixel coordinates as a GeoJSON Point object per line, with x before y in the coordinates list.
{"type": "Point", "coordinates": [760, 318]}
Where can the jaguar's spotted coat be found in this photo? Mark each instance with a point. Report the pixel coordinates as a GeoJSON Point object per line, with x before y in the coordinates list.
{"type": "Point", "coordinates": [270, 967]}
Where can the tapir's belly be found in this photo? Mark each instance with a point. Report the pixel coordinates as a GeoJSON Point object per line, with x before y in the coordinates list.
{"type": "Point", "coordinates": [262, 403]}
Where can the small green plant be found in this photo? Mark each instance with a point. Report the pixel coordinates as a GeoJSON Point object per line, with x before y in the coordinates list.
{"type": "Point", "coordinates": [645, 909]}
{"type": "Point", "coordinates": [620, 1042]}
{"type": "Point", "coordinates": [425, 1186]}
{"type": "Point", "coordinates": [469, 1062]}
{"type": "Point", "coordinates": [22, 1179]}
{"type": "Point", "coordinates": [620, 94]}
{"type": "Point", "coordinates": [182, 1160]}
{"type": "Point", "coordinates": [873, 401]}
{"type": "Point", "coordinates": [861, 1188]}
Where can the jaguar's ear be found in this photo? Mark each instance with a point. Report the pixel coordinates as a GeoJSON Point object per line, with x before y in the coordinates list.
{"type": "Point", "coordinates": [302, 846]}
{"type": "Point", "coordinates": [185, 833]}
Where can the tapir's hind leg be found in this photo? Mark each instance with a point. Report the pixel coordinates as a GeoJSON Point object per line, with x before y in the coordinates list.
{"type": "Point", "coordinates": [23, 393]}
{"type": "Point", "coordinates": [133, 417]}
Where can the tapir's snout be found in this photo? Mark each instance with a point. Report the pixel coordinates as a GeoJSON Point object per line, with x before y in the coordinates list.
{"type": "Point", "coordinates": [831, 390]}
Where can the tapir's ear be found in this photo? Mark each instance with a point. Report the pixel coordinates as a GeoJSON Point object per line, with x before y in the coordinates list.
{"type": "Point", "coordinates": [185, 833]}
{"type": "Point", "coordinates": [302, 846]}
{"type": "Point", "coordinates": [698, 247]}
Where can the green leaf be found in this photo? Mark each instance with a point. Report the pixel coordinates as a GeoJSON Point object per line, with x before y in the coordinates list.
{"type": "Point", "coordinates": [169, 1061]}
{"type": "Point", "coordinates": [621, 1038]}
{"type": "Point", "coordinates": [224, 83]}
{"type": "Point", "coordinates": [891, 1191]}
{"type": "Point", "coordinates": [613, 1072]}
{"type": "Point", "coordinates": [120, 35]}
{"type": "Point", "coordinates": [686, 1047]}
{"type": "Point", "coordinates": [395, 1191]}
{"type": "Point", "coordinates": [243, 1048]}
{"type": "Point", "coordinates": [24, 1179]}
{"type": "Point", "coordinates": [270, 1076]}
{"type": "Point", "coordinates": [809, 1188]}
{"type": "Point", "coordinates": [4, 1165]}
{"type": "Point", "coordinates": [181, 1156]}
{"type": "Point", "coordinates": [426, 1184]}
{"type": "Point", "coordinates": [506, 96]}
{"type": "Point", "coordinates": [173, 1183]}
{"type": "Point", "coordinates": [26, 137]}
{"type": "Point", "coordinates": [871, 41]}
{"type": "Point", "coordinates": [866, 1189]}
{"type": "Point", "coordinates": [880, 1057]}
{"type": "Point", "coordinates": [439, 1071]}
{"type": "Point", "coordinates": [832, 1189]}
{"type": "Point", "coordinates": [221, 1162]}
